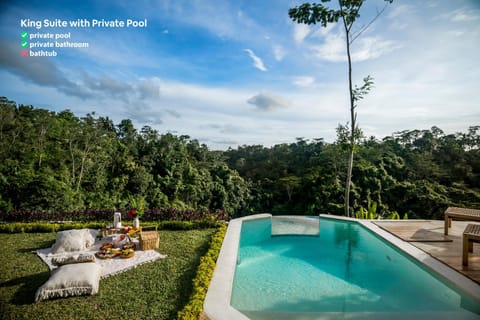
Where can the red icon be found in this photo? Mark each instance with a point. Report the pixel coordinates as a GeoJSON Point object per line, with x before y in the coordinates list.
{"type": "Point", "coordinates": [24, 53]}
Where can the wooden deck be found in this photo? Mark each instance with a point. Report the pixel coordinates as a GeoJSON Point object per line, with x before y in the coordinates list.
{"type": "Point", "coordinates": [428, 235]}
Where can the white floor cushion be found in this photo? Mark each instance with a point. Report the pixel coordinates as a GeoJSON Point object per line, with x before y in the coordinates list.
{"type": "Point", "coordinates": [73, 240]}
{"type": "Point", "coordinates": [71, 280]}
{"type": "Point", "coordinates": [61, 260]}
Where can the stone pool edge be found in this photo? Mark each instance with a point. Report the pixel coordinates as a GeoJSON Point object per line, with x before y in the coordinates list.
{"type": "Point", "coordinates": [217, 302]}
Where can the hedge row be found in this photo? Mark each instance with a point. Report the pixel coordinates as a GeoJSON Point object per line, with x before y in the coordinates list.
{"type": "Point", "coordinates": [194, 308]}
{"type": "Point", "coordinates": [155, 214]}
{"type": "Point", "coordinates": [22, 227]}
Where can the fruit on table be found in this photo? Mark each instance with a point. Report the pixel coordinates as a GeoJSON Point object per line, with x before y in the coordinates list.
{"type": "Point", "coordinates": [114, 250]}
{"type": "Point", "coordinates": [106, 246]}
{"type": "Point", "coordinates": [128, 252]}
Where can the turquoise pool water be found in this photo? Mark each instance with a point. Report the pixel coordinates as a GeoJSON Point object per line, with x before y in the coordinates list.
{"type": "Point", "coordinates": [345, 269]}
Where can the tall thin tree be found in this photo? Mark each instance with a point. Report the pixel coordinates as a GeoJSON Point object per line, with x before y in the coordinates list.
{"type": "Point", "coordinates": [348, 11]}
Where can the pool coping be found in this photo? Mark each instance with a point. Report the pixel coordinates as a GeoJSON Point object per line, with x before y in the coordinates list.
{"type": "Point", "coordinates": [217, 301]}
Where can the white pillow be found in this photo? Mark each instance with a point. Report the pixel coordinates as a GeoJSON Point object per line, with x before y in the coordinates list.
{"type": "Point", "coordinates": [94, 233]}
{"type": "Point", "coordinates": [73, 258]}
{"type": "Point", "coordinates": [70, 280]}
{"type": "Point", "coordinates": [73, 240]}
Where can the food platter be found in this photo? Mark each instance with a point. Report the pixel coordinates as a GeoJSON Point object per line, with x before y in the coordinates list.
{"type": "Point", "coordinates": [107, 252]}
{"type": "Point", "coordinates": [127, 253]}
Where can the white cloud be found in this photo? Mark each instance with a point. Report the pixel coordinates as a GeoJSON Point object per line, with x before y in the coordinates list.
{"type": "Point", "coordinates": [267, 101]}
{"type": "Point", "coordinates": [148, 89]}
{"type": "Point", "coordinates": [303, 81]}
{"type": "Point", "coordinates": [333, 48]}
{"type": "Point", "coordinates": [257, 62]}
{"type": "Point", "coordinates": [461, 15]}
{"type": "Point", "coordinates": [185, 96]}
{"type": "Point", "coordinates": [364, 48]}
{"type": "Point", "coordinates": [371, 48]}
{"type": "Point", "coordinates": [399, 15]}
{"type": "Point", "coordinates": [321, 31]}
{"type": "Point", "coordinates": [107, 86]}
{"type": "Point", "coordinates": [226, 128]}
{"type": "Point", "coordinates": [400, 10]}
{"type": "Point", "coordinates": [174, 114]}
{"type": "Point", "coordinates": [300, 32]}
{"type": "Point", "coordinates": [279, 52]}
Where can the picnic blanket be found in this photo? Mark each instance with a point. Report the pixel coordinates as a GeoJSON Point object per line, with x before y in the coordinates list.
{"type": "Point", "coordinates": [108, 266]}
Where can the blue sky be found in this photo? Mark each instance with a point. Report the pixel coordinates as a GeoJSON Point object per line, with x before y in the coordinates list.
{"type": "Point", "coordinates": [232, 72]}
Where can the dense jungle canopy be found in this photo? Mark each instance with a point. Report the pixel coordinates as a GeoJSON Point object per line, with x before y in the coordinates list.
{"type": "Point", "coordinates": [56, 161]}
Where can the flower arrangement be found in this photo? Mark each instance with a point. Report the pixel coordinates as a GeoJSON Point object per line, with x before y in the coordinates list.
{"type": "Point", "coordinates": [137, 205]}
{"type": "Point", "coordinates": [134, 213]}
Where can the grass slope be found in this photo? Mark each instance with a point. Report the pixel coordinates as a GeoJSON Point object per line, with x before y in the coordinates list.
{"type": "Point", "coordinates": [152, 291]}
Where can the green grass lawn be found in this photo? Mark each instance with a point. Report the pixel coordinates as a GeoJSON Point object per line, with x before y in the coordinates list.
{"type": "Point", "coordinates": [155, 290]}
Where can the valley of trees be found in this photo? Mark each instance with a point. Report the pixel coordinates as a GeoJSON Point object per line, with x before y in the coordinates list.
{"type": "Point", "coordinates": [56, 161]}
{"type": "Point", "coordinates": [418, 172]}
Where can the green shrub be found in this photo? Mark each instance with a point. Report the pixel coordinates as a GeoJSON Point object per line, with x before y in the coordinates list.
{"type": "Point", "coordinates": [21, 227]}
{"type": "Point", "coordinates": [194, 308]}
{"type": "Point", "coordinates": [187, 225]}
{"type": "Point", "coordinates": [393, 216]}
{"type": "Point", "coordinates": [106, 215]}
{"type": "Point", "coordinates": [45, 227]}
{"type": "Point", "coordinates": [369, 213]}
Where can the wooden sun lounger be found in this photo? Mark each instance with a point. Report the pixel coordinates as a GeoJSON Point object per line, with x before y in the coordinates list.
{"type": "Point", "coordinates": [470, 235]}
{"type": "Point", "coordinates": [460, 214]}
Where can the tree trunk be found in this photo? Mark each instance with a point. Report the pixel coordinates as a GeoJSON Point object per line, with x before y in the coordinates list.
{"type": "Point", "coordinates": [352, 121]}
{"type": "Point", "coordinates": [348, 183]}
{"type": "Point", "coordinates": [72, 156]}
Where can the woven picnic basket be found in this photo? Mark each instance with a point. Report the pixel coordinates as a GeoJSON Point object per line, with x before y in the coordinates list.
{"type": "Point", "coordinates": [149, 238]}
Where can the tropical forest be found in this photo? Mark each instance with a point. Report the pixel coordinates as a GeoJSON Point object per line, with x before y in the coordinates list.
{"type": "Point", "coordinates": [57, 165]}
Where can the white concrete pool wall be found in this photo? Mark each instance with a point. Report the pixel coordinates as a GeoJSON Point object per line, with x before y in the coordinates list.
{"type": "Point", "coordinates": [217, 302]}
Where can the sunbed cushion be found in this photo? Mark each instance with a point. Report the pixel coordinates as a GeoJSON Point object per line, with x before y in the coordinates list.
{"type": "Point", "coordinates": [70, 280]}
{"type": "Point", "coordinates": [73, 240]}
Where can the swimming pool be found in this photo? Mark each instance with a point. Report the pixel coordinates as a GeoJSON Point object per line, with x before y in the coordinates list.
{"type": "Point", "coordinates": [344, 271]}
